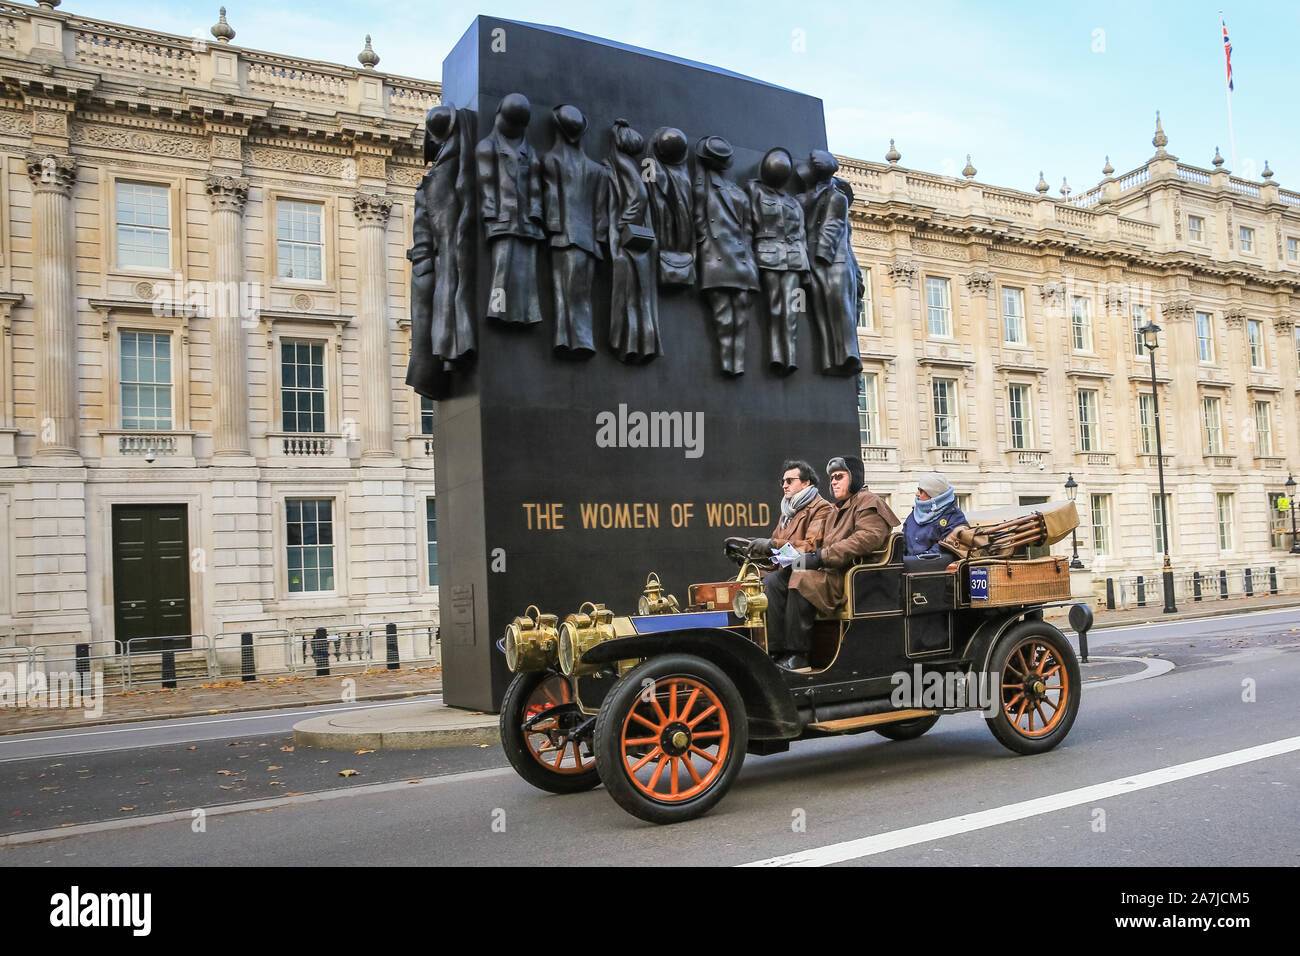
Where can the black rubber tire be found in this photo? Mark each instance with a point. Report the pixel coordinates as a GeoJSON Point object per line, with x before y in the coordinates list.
{"type": "Point", "coordinates": [515, 744]}
{"type": "Point", "coordinates": [908, 729]}
{"type": "Point", "coordinates": [614, 713]}
{"type": "Point", "coordinates": [1003, 726]}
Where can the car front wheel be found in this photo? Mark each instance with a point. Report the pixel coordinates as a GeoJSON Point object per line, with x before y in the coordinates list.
{"type": "Point", "coordinates": [671, 738]}
{"type": "Point", "coordinates": [538, 715]}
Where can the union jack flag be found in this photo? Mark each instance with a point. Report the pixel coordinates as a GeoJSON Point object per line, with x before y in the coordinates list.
{"type": "Point", "coordinates": [1227, 51]}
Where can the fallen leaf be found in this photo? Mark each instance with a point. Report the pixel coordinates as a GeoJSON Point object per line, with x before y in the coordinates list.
{"type": "Point", "coordinates": [225, 787]}
{"type": "Point", "coordinates": [143, 783]}
{"type": "Point", "coordinates": [275, 767]}
{"type": "Point", "coordinates": [412, 781]}
{"type": "Point", "coordinates": [322, 761]}
{"type": "Point", "coordinates": [363, 752]}
{"type": "Point", "coordinates": [225, 773]}
{"type": "Point", "coordinates": [49, 788]}
{"type": "Point", "coordinates": [191, 748]}
{"type": "Point", "coordinates": [62, 825]}
{"type": "Point", "coordinates": [126, 808]}
{"type": "Point", "coordinates": [276, 783]}
{"type": "Point", "coordinates": [174, 770]}
{"type": "Point", "coordinates": [242, 757]}
{"type": "Point", "coordinates": [287, 750]}
{"type": "Point", "coordinates": [482, 746]}
{"type": "Point", "coordinates": [292, 793]}
{"type": "Point", "coordinates": [348, 773]}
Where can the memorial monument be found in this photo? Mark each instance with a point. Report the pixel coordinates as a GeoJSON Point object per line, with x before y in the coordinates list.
{"type": "Point", "coordinates": [597, 418]}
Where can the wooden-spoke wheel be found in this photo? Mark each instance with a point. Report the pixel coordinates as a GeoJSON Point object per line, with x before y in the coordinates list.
{"type": "Point", "coordinates": [538, 716]}
{"type": "Point", "coordinates": [1038, 677]}
{"type": "Point", "coordinates": [670, 738]}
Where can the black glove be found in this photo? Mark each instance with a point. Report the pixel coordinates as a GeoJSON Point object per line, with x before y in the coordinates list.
{"type": "Point", "coordinates": [760, 548]}
{"type": "Point", "coordinates": [812, 561]}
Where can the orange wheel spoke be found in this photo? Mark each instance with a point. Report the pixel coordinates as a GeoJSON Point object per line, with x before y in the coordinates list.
{"type": "Point", "coordinates": [1021, 712]}
{"type": "Point", "coordinates": [564, 693]}
{"type": "Point", "coordinates": [708, 734]}
{"type": "Point", "coordinates": [1031, 721]}
{"type": "Point", "coordinates": [1054, 670]}
{"type": "Point", "coordinates": [690, 702]}
{"type": "Point", "coordinates": [1012, 702]}
{"type": "Point", "coordinates": [659, 768]}
{"type": "Point", "coordinates": [654, 699]}
{"type": "Point", "coordinates": [640, 741]}
{"type": "Point", "coordinates": [559, 754]}
{"type": "Point", "coordinates": [702, 715]}
{"type": "Point", "coordinates": [644, 760]}
{"type": "Point", "coordinates": [550, 696]}
{"type": "Point", "coordinates": [1039, 708]}
{"type": "Point", "coordinates": [690, 766]}
{"type": "Point", "coordinates": [672, 701]}
{"type": "Point", "coordinates": [672, 780]}
{"type": "Point", "coordinates": [697, 750]}
{"type": "Point", "coordinates": [636, 716]}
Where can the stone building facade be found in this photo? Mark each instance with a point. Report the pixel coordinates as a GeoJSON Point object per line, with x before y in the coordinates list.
{"type": "Point", "coordinates": [203, 336]}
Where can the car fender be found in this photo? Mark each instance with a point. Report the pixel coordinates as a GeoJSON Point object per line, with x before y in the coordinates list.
{"type": "Point", "coordinates": [979, 649]}
{"type": "Point", "coordinates": [768, 701]}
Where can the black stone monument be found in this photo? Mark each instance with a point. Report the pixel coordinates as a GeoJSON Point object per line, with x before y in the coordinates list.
{"type": "Point", "coordinates": [560, 480]}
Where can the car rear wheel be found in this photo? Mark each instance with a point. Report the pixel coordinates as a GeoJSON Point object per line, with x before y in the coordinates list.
{"type": "Point", "coordinates": [1038, 676]}
{"type": "Point", "coordinates": [671, 738]}
{"type": "Point", "coordinates": [538, 715]}
{"type": "Point", "coordinates": [908, 729]}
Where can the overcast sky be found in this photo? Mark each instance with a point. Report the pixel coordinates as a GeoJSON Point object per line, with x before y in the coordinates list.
{"type": "Point", "coordinates": [1019, 86]}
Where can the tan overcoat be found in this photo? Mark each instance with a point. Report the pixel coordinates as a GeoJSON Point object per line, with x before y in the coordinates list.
{"type": "Point", "coordinates": [858, 525]}
{"type": "Point", "coordinates": [807, 529]}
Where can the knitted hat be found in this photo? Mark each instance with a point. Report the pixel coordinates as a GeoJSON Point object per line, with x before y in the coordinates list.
{"type": "Point", "coordinates": [934, 484]}
{"type": "Point", "coordinates": [855, 468]}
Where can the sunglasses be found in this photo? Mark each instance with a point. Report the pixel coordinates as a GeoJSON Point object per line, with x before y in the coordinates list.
{"type": "Point", "coordinates": [839, 476]}
{"type": "Point", "coordinates": [787, 481]}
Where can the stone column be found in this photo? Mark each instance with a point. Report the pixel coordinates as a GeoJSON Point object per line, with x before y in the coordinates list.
{"type": "Point", "coordinates": [372, 210]}
{"type": "Point", "coordinates": [55, 303]}
{"type": "Point", "coordinates": [227, 195]}
{"type": "Point", "coordinates": [984, 432]}
{"type": "Point", "coordinates": [902, 275]}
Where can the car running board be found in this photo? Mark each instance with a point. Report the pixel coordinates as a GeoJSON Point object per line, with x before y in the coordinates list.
{"type": "Point", "coordinates": [870, 720]}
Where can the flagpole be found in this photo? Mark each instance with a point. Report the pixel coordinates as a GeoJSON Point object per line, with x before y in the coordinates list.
{"type": "Point", "coordinates": [1227, 92]}
{"type": "Point", "coordinates": [1232, 140]}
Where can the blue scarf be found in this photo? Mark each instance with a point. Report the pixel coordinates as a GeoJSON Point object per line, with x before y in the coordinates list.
{"type": "Point", "coordinates": [923, 512]}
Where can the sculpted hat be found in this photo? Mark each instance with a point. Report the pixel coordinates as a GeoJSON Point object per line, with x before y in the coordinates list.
{"type": "Point", "coordinates": [569, 121]}
{"type": "Point", "coordinates": [934, 484]}
{"type": "Point", "coordinates": [714, 150]}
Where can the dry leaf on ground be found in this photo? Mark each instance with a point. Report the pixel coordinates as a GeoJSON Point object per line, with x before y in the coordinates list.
{"type": "Point", "coordinates": [348, 773]}
{"type": "Point", "coordinates": [224, 773]}
{"type": "Point", "coordinates": [363, 752]}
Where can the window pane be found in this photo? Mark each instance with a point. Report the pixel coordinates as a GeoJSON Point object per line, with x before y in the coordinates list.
{"type": "Point", "coordinates": [299, 244]}
{"type": "Point", "coordinates": [142, 225]}
{"type": "Point", "coordinates": [1101, 524]}
{"type": "Point", "coordinates": [310, 566]}
{"type": "Point", "coordinates": [1140, 320]}
{"type": "Point", "coordinates": [1013, 316]}
{"type": "Point", "coordinates": [1081, 323]}
{"type": "Point", "coordinates": [431, 532]}
{"type": "Point", "coordinates": [938, 308]}
{"type": "Point", "coordinates": [302, 386]}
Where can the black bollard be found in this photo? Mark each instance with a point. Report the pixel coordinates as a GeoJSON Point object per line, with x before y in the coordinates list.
{"type": "Point", "coordinates": [1223, 584]}
{"type": "Point", "coordinates": [1110, 594]}
{"type": "Point", "coordinates": [1249, 585]}
{"type": "Point", "coordinates": [1272, 580]}
{"type": "Point", "coordinates": [1142, 592]}
{"type": "Point", "coordinates": [320, 650]}
{"type": "Point", "coordinates": [247, 667]}
{"type": "Point", "coordinates": [169, 669]}
{"type": "Point", "coordinates": [1196, 585]}
{"type": "Point", "coordinates": [83, 667]}
{"type": "Point", "coordinates": [390, 636]}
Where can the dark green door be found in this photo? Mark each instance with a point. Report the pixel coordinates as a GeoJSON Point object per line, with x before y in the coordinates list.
{"type": "Point", "coordinates": [1044, 551]}
{"type": "Point", "coordinates": [151, 575]}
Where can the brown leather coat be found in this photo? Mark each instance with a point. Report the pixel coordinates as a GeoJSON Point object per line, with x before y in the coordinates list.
{"type": "Point", "coordinates": [858, 526]}
{"type": "Point", "coordinates": [807, 529]}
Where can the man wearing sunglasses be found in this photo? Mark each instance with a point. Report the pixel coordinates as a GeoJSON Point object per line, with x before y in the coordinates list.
{"type": "Point", "coordinates": [860, 522]}
{"type": "Point", "coordinates": [804, 513]}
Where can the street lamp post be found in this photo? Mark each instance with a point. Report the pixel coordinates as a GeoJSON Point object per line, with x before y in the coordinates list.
{"type": "Point", "coordinates": [1290, 494]}
{"type": "Point", "coordinates": [1071, 492]}
{"type": "Point", "coordinates": [1149, 340]}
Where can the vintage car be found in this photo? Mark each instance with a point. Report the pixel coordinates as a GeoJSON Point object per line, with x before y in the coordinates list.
{"type": "Point", "coordinates": [662, 706]}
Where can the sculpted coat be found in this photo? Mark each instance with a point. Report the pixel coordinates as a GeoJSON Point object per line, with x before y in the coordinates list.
{"type": "Point", "coordinates": [836, 279]}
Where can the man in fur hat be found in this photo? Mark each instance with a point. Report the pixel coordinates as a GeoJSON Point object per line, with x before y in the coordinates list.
{"type": "Point", "coordinates": [859, 524]}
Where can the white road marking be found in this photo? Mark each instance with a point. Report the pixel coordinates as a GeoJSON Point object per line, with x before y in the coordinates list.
{"type": "Point", "coordinates": [939, 829]}
{"type": "Point", "coordinates": [1155, 666]}
{"type": "Point", "coordinates": [175, 816]}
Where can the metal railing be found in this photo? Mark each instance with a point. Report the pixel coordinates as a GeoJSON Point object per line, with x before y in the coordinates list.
{"type": "Point", "coordinates": [1197, 585]}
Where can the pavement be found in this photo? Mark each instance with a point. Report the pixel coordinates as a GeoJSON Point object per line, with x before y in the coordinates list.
{"type": "Point", "coordinates": [430, 723]}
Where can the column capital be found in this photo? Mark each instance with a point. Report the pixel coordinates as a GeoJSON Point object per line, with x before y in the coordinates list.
{"type": "Point", "coordinates": [52, 172]}
{"type": "Point", "coordinates": [371, 208]}
{"type": "Point", "coordinates": [1176, 309]}
{"type": "Point", "coordinates": [227, 192]}
{"type": "Point", "coordinates": [902, 271]}
{"type": "Point", "coordinates": [979, 281]}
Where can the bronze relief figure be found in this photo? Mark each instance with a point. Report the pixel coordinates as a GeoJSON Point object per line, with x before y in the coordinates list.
{"type": "Point", "coordinates": [669, 185]}
{"type": "Point", "coordinates": [836, 280]}
{"type": "Point", "coordinates": [781, 248]}
{"type": "Point", "coordinates": [634, 297]}
{"type": "Point", "coordinates": [510, 204]}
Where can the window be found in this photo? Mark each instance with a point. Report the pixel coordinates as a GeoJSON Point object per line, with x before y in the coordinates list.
{"type": "Point", "coordinates": [1089, 436]}
{"type": "Point", "coordinates": [939, 307]}
{"type": "Point", "coordinates": [1100, 524]}
{"type": "Point", "coordinates": [302, 385]}
{"type": "Point", "coordinates": [868, 410]}
{"type": "Point", "coordinates": [964, 503]}
{"type": "Point", "coordinates": [1141, 317]}
{"type": "Point", "coordinates": [944, 391]}
{"type": "Point", "coordinates": [1013, 316]}
{"type": "Point", "coordinates": [1263, 429]}
{"type": "Point", "coordinates": [299, 242]}
{"type": "Point", "coordinates": [143, 229]}
{"type": "Point", "coordinates": [1081, 322]}
{"type": "Point", "coordinates": [1223, 504]}
{"type": "Point", "coordinates": [1212, 420]}
{"type": "Point", "coordinates": [426, 415]}
{"type": "Point", "coordinates": [431, 529]}
{"type": "Point", "coordinates": [866, 315]}
{"type": "Point", "coordinates": [1247, 239]}
{"type": "Point", "coordinates": [1204, 337]}
{"type": "Point", "coordinates": [146, 379]}
{"type": "Point", "coordinates": [1292, 249]}
{"type": "Point", "coordinates": [1279, 521]}
{"type": "Point", "coordinates": [1147, 422]}
{"type": "Point", "coordinates": [1020, 416]}
{"type": "Point", "coordinates": [309, 527]}
{"type": "Point", "coordinates": [1255, 338]}
{"type": "Point", "coordinates": [1159, 526]}
{"type": "Point", "coordinates": [1196, 228]}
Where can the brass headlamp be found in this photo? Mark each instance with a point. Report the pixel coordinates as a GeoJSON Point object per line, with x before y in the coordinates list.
{"type": "Point", "coordinates": [750, 601]}
{"type": "Point", "coordinates": [532, 642]}
{"type": "Point", "coordinates": [653, 600]}
{"type": "Point", "coordinates": [580, 633]}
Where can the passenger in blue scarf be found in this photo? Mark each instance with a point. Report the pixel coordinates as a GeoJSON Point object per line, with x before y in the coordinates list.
{"type": "Point", "coordinates": [934, 515]}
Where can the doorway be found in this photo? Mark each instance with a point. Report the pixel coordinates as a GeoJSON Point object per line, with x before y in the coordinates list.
{"type": "Point", "coordinates": [151, 576]}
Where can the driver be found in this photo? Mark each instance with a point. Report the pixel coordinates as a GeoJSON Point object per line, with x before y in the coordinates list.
{"type": "Point", "coordinates": [860, 523]}
{"type": "Point", "coordinates": [804, 514]}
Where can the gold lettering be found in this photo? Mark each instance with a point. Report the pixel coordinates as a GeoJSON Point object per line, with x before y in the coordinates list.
{"type": "Point", "coordinates": [588, 510]}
